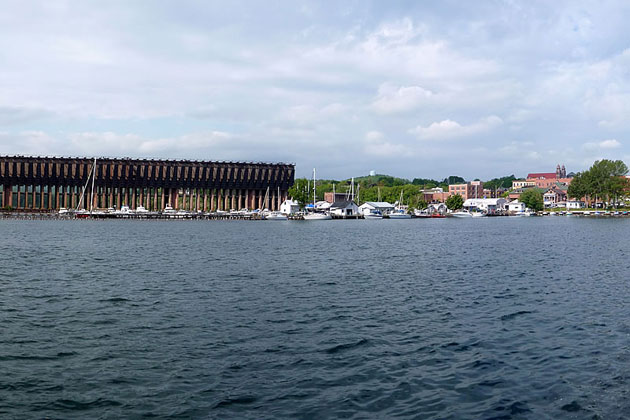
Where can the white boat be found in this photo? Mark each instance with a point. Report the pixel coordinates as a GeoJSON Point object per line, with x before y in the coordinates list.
{"type": "Point", "coordinates": [141, 210]}
{"type": "Point", "coordinates": [63, 210]}
{"type": "Point", "coordinates": [373, 214]}
{"type": "Point", "coordinates": [276, 215]}
{"type": "Point", "coordinates": [316, 215]}
{"type": "Point", "coordinates": [522, 214]}
{"type": "Point", "coordinates": [423, 214]}
{"type": "Point", "coordinates": [168, 209]}
{"type": "Point", "coordinates": [461, 214]}
{"type": "Point", "coordinates": [478, 214]}
{"type": "Point", "coordinates": [399, 214]}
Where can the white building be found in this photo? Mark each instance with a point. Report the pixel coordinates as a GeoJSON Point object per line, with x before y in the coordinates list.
{"type": "Point", "coordinates": [488, 205]}
{"type": "Point", "coordinates": [381, 206]}
{"type": "Point", "coordinates": [571, 204]}
{"type": "Point", "coordinates": [289, 207]}
{"type": "Point", "coordinates": [344, 209]}
{"type": "Point", "coordinates": [516, 206]}
{"type": "Point", "coordinates": [439, 208]}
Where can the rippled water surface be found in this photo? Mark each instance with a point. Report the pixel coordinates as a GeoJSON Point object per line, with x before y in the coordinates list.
{"type": "Point", "coordinates": [449, 319]}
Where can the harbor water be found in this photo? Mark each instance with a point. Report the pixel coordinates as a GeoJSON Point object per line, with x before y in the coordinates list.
{"type": "Point", "coordinates": [490, 318]}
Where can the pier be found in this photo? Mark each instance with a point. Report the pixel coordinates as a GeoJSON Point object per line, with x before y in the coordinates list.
{"type": "Point", "coordinates": [34, 184]}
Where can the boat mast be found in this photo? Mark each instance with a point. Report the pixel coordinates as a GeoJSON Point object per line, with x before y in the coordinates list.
{"type": "Point", "coordinates": [92, 192]}
{"type": "Point", "coordinates": [84, 188]}
{"type": "Point", "coordinates": [314, 189]}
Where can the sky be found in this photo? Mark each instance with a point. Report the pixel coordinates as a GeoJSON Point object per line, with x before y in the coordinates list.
{"type": "Point", "coordinates": [425, 89]}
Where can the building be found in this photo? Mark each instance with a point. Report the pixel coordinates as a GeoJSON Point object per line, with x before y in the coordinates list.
{"type": "Point", "coordinates": [48, 183]}
{"type": "Point", "coordinates": [344, 209]}
{"type": "Point", "coordinates": [575, 204]}
{"type": "Point", "coordinates": [439, 208]}
{"type": "Point", "coordinates": [547, 179]}
{"type": "Point", "coordinates": [289, 207]}
{"type": "Point", "coordinates": [381, 206]}
{"type": "Point", "coordinates": [555, 196]}
{"type": "Point", "coordinates": [332, 197]}
{"type": "Point", "coordinates": [472, 189]}
{"type": "Point", "coordinates": [516, 206]}
{"type": "Point", "coordinates": [434, 195]}
{"type": "Point", "coordinates": [488, 205]}
{"type": "Point", "coordinates": [522, 183]}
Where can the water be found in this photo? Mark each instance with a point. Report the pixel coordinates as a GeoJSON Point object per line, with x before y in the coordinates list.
{"type": "Point", "coordinates": [470, 318]}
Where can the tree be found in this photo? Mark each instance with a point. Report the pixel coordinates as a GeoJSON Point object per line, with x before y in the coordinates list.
{"type": "Point", "coordinates": [533, 199]}
{"type": "Point", "coordinates": [578, 187]}
{"type": "Point", "coordinates": [455, 202]}
{"type": "Point", "coordinates": [300, 191]}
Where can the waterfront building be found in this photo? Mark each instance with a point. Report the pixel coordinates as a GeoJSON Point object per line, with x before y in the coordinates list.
{"type": "Point", "coordinates": [381, 206]}
{"type": "Point", "coordinates": [575, 204]}
{"type": "Point", "coordinates": [49, 183]}
{"type": "Point", "coordinates": [472, 189]}
{"type": "Point", "coordinates": [516, 206]}
{"type": "Point", "coordinates": [439, 208]}
{"type": "Point", "coordinates": [488, 205]}
{"type": "Point", "coordinates": [555, 196]}
{"type": "Point", "coordinates": [344, 209]}
{"type": "Point", "coordinates": [289, 207]}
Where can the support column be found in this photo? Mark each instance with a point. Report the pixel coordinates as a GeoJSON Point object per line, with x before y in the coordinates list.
{"type": "Point", "coordinates": [205, 199]}
{"type": "Point", "coordinates": [162, 203]}
{"type": "Point", "coordinates": [232, 200]}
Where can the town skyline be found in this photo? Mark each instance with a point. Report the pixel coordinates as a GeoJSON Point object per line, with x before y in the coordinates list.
{"type": "Point", "coordinates": [408, 89]}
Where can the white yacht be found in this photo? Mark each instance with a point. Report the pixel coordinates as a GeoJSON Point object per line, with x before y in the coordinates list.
{"type": "Point", "coordinates": [423, 214]}
{"type": "Point", "coordinates": [141, 210]}
{"type": "Point", "coordinates": [399, 214]}
{"type": "Point", "coordinates": [373, 214]}
{"type": "Point", "coordinates": [315, 215]}
{"type": "Point", "coordinates": [461, 214]}
{"type": "Point", "coordinates": [276, 215]}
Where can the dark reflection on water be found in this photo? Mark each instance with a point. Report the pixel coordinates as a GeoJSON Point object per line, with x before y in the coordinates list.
{"type": "Point", "coordinates": [489, 318]}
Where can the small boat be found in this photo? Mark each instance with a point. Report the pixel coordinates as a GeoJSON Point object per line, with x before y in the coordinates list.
{"type": "Point", "coordinates": [437, 216]}
{"type": "Point", "coordinates": [461, 214]}
{"type": "Point", "coordinates": [373, 214]}
{"type": "Point", "coordinates": [276, 215]}
{"type": "Point", "coordinates": [478, 214]}
{"type": "Point", "coordinates": [423, 214]}
{"type": "Point", "coordinates": [399, 214]}
{"type": "Point", "coordinates": [522, 214]}
{"type": "Point", "coordinates": [317, 216]}
{"type": "Point", "coordinates": [141, 210]}
{"type": "Point", "coordinates": [63, 210]}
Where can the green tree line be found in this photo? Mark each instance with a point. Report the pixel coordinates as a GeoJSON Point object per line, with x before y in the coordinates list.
{"type": "Point", "coordinates": [604, 181]}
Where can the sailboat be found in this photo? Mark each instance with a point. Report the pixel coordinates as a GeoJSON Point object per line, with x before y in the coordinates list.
{"type": "Point", "coordinates": [82, 213]}
{"type": "Point", "coordinates": [271, 215]}
{"type": "Point", "coordinates": [315, 215]}
{"type": "Point", "coordinates": [399, 212]}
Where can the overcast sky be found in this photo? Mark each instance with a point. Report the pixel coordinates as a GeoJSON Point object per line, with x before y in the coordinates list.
{"type": "Point", "coordinates": [409, 88]}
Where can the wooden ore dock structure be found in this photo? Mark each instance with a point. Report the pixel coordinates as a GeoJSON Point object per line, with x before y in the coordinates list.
{"type": "Point", "coordinates": [43, 184]}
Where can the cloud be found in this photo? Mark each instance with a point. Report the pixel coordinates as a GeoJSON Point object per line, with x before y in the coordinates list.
{"type": "Point", "coordinates": [392, 99]}
{"type": "Point", "coordinates": [448, 129]}
{"type": "Point", "coordinates": [602, 145]}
